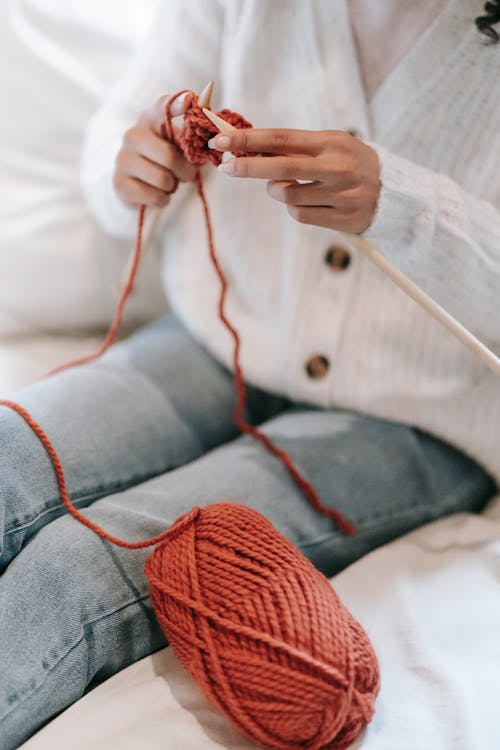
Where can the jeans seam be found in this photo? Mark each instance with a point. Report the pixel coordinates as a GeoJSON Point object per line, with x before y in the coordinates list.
{"type": "Point", "coordinates": [97, 493]}
{"type": "Point", "coordinates": [68, 651]}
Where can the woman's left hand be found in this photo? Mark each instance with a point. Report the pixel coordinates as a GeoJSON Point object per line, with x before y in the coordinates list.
{"type": "Point", "coordinates": [343, 173]}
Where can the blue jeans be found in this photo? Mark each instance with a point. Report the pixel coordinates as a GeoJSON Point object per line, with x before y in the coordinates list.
{"type": "Point", "coordinates": [144, 434]}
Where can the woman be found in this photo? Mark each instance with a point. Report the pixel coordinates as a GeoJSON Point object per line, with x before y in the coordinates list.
{"type": "Point", "coordinates": [392, 421]}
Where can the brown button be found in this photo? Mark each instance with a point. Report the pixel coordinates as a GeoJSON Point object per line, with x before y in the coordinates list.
{"type": "Point", "coordinates": [337, 258]}
{"type": "Point", "coordinates": [317, 366]}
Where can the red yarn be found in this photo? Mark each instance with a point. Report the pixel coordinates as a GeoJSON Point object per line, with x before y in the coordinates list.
{"type": "Point", "coordinates": [262, 631]}
{"type": "Point", "coordinates": [198, 129]}
{"type": "Point", "coordinates": [125, 293]}
{"type": "Point", "coordinates": [259, 628]}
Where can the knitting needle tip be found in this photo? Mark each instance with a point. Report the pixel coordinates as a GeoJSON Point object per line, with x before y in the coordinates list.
{"type": "Point", "coordinates": [222, 125]}
{"type": "Point", "coordinates": [205, 97]}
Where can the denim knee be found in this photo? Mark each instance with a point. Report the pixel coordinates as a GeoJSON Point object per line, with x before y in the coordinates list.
{"type": "Point", "coordinates": [29, 495]}
{"type": "Point", "coordinates": [73, 611]}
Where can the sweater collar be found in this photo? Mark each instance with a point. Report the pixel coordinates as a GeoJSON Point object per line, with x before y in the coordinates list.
{"type": "Point", "coordinates": [427, 60]}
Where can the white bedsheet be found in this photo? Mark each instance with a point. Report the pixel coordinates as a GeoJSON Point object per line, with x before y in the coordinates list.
{"type": "Point", "coordinates": [431, 605]}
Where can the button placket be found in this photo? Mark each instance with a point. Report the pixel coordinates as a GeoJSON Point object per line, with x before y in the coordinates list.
{"type": "Point", "coordinates": [322, 313]}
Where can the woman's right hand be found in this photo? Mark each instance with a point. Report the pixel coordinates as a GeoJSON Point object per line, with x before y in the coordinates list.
{"type": "Point", "coordinates": [148, 165]}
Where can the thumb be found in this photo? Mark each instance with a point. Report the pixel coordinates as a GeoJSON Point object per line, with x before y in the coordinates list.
{"type": "Point", "coordinates": [156, 115]}
{"type": "Point", "coordinates": [181, 104]}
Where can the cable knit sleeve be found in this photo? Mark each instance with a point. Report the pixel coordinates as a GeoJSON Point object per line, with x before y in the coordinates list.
{"type": "Point", "coordinates": [446, 240]}
{"type": "Point", "coordinates": [181, 51]}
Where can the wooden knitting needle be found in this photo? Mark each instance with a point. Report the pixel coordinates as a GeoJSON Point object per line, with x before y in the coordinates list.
{"type": "Point", "coordinates": [151, 220]}
{"type": "Point", "coordinates": [418, 295]}
{"type": "Point", "coordinates": [222, 125]}
{"type": "Point", "coordinates": [205, 98]}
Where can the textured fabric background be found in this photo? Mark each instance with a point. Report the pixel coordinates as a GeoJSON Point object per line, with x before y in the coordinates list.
{"type": "Point", "coordinates": [57, 267]}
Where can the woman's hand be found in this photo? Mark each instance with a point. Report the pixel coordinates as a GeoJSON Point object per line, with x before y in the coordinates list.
{"type": "Point", "coordinates": [343, 173]}
{"type": "Point", "coordinates": [147, 165]}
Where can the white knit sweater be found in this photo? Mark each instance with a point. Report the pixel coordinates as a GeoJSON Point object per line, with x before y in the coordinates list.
{"type": "Point", "coordinates": [385, 31]}
{"type": "Point", "coordinates": [435, 123]}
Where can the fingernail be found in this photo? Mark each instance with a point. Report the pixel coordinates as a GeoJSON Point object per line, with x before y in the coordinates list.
{"type": "Point", "coordinates": [226, 156]}
{"type": "Point", "coordinates": [227, 167]}
{"type": "Point", "coordinates": [220, 142]}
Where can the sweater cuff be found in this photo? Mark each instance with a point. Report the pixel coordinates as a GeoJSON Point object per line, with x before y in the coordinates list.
{"type": "Point", "coordinates": [110, 212]}
{"type": "Point", "coordinates": [405, 207]}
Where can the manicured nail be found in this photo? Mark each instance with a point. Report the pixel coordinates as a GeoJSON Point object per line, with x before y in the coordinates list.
{"type": "Point", "coordinates": [227, 167]}
{"type": "Point", "coordinates": [220, 142]}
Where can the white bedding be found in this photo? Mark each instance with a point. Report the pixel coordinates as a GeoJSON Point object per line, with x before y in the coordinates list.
{"type": "Point", "coordinates": [431, 605]}
{"type": "Point", "coordinates": [430, 601]}
{"type": "Point", "coordinates": [58, 270]}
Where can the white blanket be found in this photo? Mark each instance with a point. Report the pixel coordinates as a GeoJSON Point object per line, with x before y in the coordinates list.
{"type": "Point", "coordinates": [431, 605]}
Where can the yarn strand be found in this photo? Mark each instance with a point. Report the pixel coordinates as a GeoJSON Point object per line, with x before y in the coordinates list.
{"type": "Point", "coordinates": [63, 490]}
{"type": "Point", "coordinates": [241, 391]}
{"type": "Point", "coordinates": [196, 156]}
{"type": "Point", "coordinates": [125, 294]}
{"type": "Point", "coordinates": [242, 608]}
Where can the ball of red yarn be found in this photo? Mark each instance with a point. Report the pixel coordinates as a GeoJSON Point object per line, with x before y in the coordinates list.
{"type": "Point", "coordinates": [262, 631]}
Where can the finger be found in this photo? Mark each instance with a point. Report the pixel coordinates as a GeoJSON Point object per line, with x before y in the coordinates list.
{"type": "Point", "coordinates": [327, 217]}
{"type": "Point", "coordinates": [313, 194]}
{"type": "Point", "coordinates": [137, 166]}
{"type": "Point", "coordinates": [146, 143]}
{"type": "Point", "coordinates": [168, 155]}
{"type": "Point", "coordinates": [272, 167]}
{"type": "Point", "coordinates": [176, 162]}
{"type": "Point", "coordinates": [180, 104]}
{"type": "Point", "coordinates": [134, 193]}
{"type": "Point", "coordinates": [177, 127]}
{"type": "Point", "coordinates": [156, 115]}
{"type": "Point", "coordinates": [277, 141]}
{"type": "Point", "coordinates": [298, 194]}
